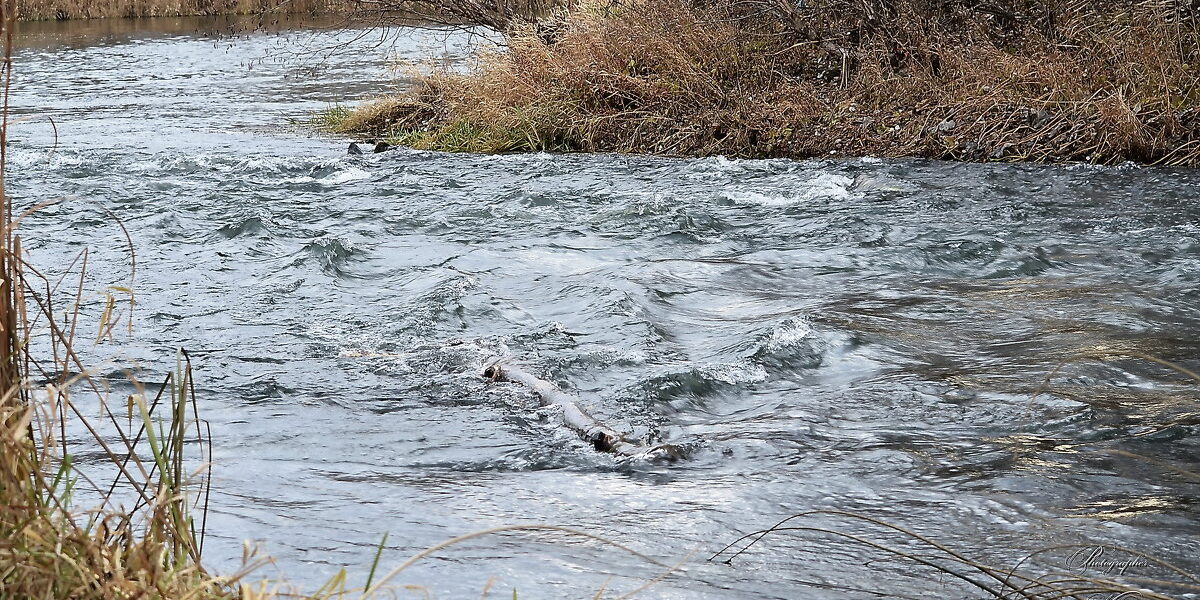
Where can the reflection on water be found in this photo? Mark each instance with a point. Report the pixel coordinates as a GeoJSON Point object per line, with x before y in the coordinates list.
{"type": "Point", "coordinates": [859, 335]}
{"type": "Point", "coordinates": [32, 35]}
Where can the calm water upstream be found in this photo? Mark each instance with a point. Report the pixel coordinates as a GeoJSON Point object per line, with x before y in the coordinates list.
{"type": "Point", "coordinates": [860, 335]}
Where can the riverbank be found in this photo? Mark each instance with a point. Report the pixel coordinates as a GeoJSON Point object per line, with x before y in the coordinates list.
{"type": "Point", "coordinates": [1100, 82]}
{"type": "Point", "coordinates": [61, 10]}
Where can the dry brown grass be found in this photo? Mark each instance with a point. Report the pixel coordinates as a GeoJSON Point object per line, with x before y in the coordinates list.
{"type": "Point", "coordinates": [1104, 81]}
{"type": "Point", "coordinates": [45, 10]}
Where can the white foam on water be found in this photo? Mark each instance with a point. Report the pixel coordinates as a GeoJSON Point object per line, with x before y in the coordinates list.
{"type": "Point", "coordinates": [748, 197]}
{"type": "Point", "coordinates": [533, 159]}
{"type": "Point", "coordinates": [610, 355]}
{"type": "Point", "coordinates": [708, 168]}
{"type": "Point", "coordinates": [722, 167]}
{"type": "Point", "coordinates": [221, 162]}
{"type": "Point", "coordinates": [342, 175]}
{"type": "Point", "coordinates": [734, 373]}
{"type": "Point", "coordinates": [32, 158]}
{"type": "Point", "coordinates": [828, 185]}
{"type": "Point", "coordinates": [825, 186]}
{"type": "Point", "coordinates": [788, 334]}
{"type": "Point", "coordinates": [265, 164]}
{"type": "Point", "coordinates": [346, 176]}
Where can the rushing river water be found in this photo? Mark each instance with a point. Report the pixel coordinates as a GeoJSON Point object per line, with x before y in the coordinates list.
{"type": "Point", "coordinates": [858, 335]}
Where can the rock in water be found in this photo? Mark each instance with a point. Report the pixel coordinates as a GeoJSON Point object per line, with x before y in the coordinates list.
{"type": "Point", "coordinates": [354, 149]}
{"type": "Point", "coordinates": [382, 146]}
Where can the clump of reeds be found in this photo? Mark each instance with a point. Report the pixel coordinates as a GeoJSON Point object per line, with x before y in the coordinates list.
{"type": "Point", "coordinates": [1104, 82]}
{"type": "Point", "coordinates": [50, 551]}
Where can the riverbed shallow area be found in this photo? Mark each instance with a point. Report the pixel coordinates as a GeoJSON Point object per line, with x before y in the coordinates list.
{"type": "Point", "coordinates": [959, 349]}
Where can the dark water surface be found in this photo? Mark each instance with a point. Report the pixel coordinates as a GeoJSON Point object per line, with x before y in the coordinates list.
{"type": "Point", "coordinates": [860, 335]}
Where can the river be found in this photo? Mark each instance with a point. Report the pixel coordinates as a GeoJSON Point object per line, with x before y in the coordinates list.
{"type": "Point", "coordinates": [856, 334]}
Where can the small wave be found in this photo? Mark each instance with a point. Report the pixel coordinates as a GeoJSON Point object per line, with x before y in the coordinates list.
{"type": "Point", "coordinates": [264, 170]}
{"type": "Point", "coordinates": [791, 344]}
{"type": "Point", "coordinates": [1125, 166]}
{"type": "Point", "coordinates": [788, 335]}
{"type": "Point", "coordinates": [263, 389]}
{"type": "Point", "coordinates": [608, 356]}
{"type": "Point", "coordinates": [677, 389]}
{"type": "Point", "coordinates": [532, 159]}
{"type": "Point", "coordinates": [332, 175]}
{"type": "Point", "coordinates": [750, 197]}
{"type": "Point", "coordinates": [34, 158]}
{"type": "Point", "coordinates": [1017, 263]}
{"type": "Point", "coordinates": [162, 164]}
{"type": "Point", "coordinates": [374, 347]}
{"type": "Point", "coordinates": [245, 227]}
{"type": "Point", "coordinates": [733, 373]}
{"type": "Point", "coordinates": [825, 186]}
{"type": "Point", "coordinates": [963, 251]}
{"type": "Point", "coordinates": [333, 254]}
{"type": "Point", "coordinates": [639, 203]}
{"type": "Point", "coordinates": [440, 303]}
{"type": "Point", "coordinates": [699, 225]}
{"type": "Point", "coordinates": [879, 182]}
{"type": "Point", "coordinates": [723, 167]}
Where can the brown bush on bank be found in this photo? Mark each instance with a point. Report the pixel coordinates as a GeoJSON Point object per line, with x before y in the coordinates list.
{"type": "Point", "coordinates": [1103, 81]}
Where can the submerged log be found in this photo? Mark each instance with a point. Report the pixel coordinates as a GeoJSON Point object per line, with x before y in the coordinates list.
{"type": "Point", "coordinates": [602, 437]}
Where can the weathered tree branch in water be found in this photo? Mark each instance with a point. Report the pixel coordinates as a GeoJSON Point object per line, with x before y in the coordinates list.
{"type": "Point", "coordinates": [599, 435]}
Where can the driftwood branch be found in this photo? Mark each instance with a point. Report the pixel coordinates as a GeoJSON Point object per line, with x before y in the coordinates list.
{"type": "Point", "coordinates": [602, 437]}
